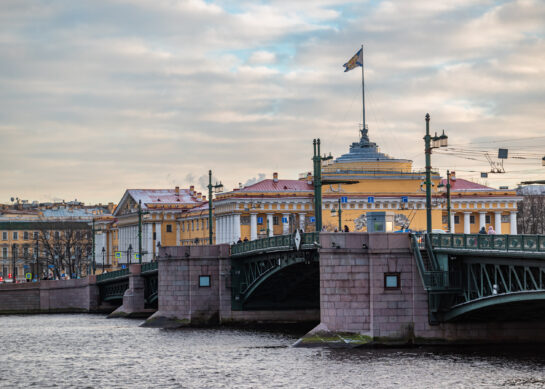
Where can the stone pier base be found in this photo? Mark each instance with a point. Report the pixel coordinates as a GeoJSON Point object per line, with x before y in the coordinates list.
{"type": "Point", "coordinates": [133, 299]}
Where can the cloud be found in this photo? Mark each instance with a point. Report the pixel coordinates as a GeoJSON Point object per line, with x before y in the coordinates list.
{"type": "Point", "coordinates": [254, 180]}
{"type": "Point", "coordinates": [127, 94]}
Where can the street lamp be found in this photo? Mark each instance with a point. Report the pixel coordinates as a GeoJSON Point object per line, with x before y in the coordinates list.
{"type": "Point", "coordinates": [103, 254]}
{"type": "Point", "coordinates": [140, 213]}
{"type": "Point", "coordinates": [317, 163]}
{"type": "Point", "coordinates": [339, 212]}
{"type": "Point", "coordinates": [94, 266]}
{"type": "Point", "coordinates": [217, 189]}
{"type": "Point", "coordinates": [13, 253]}
{"type": "Point", "coordinates": [438, 141]}
{"type": "Point", "coordinates": [129, 251]}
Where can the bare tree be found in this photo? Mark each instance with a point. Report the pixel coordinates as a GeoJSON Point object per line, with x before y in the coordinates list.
{"type": "Point", "coordinates": [65, 248]}
{"type": "Point", "coordinates": [531, 214]}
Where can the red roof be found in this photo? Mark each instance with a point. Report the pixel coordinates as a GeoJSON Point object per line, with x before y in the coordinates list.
{"type": "Point", "coordinates": [461, 184]}
{"type": "Point", "coordinates": [280, 186]}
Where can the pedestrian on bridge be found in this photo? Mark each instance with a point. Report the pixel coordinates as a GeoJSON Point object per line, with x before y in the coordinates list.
{"type": "Point", "coordinates": [491, 231]}
{"type": "Point", "coordinates": [482, 230]}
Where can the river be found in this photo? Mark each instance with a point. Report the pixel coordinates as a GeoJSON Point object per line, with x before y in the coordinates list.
{"type": "Point", "coordinates": [90, 351]}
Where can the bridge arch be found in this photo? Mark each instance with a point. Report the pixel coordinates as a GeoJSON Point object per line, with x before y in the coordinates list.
{"type": "Point", "coordinates": [529, 305]}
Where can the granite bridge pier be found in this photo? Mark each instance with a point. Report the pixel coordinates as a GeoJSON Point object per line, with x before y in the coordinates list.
{"type": "Point", "coordinates": [360, 287]}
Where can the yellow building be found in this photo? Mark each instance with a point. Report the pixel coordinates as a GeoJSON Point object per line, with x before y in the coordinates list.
{"type": "Point", "coordinates": [193, 226]}
{"type": "Point", "coordinates": [269, 207]}
{"type": "Point", "coordinates": [474, 206]}
{"type": "Point", "coordinates": [160, 225]}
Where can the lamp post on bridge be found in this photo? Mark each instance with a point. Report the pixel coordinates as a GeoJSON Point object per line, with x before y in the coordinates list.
{"type": "Point", "coordinates": [317, 163]}
{"type": "Point", "coordinates": [217, 188]}
{"type": "Point", "coordinates": [438, 141]}
{"type": "Point", "coordinates": [129, 251]}
{"type": "Point", "coordinates": [103, 254]}
{"type": "Point", "coordinates": [339, 212]}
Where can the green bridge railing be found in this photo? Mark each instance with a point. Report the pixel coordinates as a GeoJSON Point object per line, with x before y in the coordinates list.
{"type": "Point", "coordinates": [112, 275]}
{"type": "Point", "coordinates": [150, 266]}
{"type": "Point", "coordinates": [505, 243]}
{"type": "Point", "coordinates": [273, 243]}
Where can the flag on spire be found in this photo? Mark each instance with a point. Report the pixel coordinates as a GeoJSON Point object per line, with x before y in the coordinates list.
{"type": "Point", "coordinates": [355, 61]}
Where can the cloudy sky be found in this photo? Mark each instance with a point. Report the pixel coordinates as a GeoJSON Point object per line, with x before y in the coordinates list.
{"type": "Point", "coordinates": [100, 96]}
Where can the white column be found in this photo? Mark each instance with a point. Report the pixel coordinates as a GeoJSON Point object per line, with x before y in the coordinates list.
{"type": "Point", "coordinates": [177, 233]}
{"type": "Point", "coordinates": [222, 229]}
{"type": "Point", "coordinates": [215, 235]}
{"type": "Point", "coordinates": [286, 225]}
{"type": "Point", "coordinates": [236, 226]}
{"type": "Point", "coordinates": [149, 243]}
{"type": "Point", "coordinates": [466, 223]}
{"type": "Point", "coordinates": [452, 225]}
{"type": "Point", "coordinates": [497, 221]}
{"type": "Point", "coordinates": [158, 233]}
{"type": "Point", "coordinates": [270, 224]}
{"type": "Point", "coordinates": [482, 219]}
{"type": "Point", "coordinates": [302, 221]}
{"type": "Point", "coordinates": [253, 226]}
{"type": "Point", "coordinates": [513, 221]}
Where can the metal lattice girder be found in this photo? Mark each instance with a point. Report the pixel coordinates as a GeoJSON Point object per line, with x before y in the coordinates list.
{"type": "Point", "coordinates": [151, 288]}
{"type": "Point", "coordinates": [273, 244]}
{"type": "Point", "coordinates": [249, 273]}
{"type": "Point", "coordinates": [114, 290]}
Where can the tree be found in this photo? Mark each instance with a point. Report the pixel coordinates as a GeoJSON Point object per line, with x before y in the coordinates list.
{"type": "Point", "coordinates": [65, 248]}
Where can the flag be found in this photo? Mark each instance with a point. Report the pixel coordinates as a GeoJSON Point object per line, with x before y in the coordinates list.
{"type": "Point", "coordinates": [355, 61]}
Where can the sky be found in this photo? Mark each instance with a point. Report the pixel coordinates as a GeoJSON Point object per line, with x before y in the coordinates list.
{"type": "Point", "coordinates": [100, 96]}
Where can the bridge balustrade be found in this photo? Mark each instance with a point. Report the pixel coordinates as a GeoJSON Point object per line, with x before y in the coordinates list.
{"type": "Point", "coordinates": [504, 243]}
{"type": "Point", "coordinates": [112, 275]}
{"type": "Point", "coordinates": [273, 243]}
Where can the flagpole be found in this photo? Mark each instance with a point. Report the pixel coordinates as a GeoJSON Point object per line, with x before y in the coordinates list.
{"type": "Point", "coordinates": [362, 91]}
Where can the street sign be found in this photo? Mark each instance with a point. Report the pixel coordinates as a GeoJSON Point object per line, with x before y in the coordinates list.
{"type": "Point", "coordinates": [28, 276]}
{"type": "Point", "coordinates": [123, 267]}
{"type": "Point", "coordinates": [404, 199]}
{"type": "Point", "coordinates": [118, 254]}
{"type": "Point", "coordinates": [260, 220]}
{"type": "Point", "coordinates": [137, 256]}
{"type": "Point", "coordinates": [371, 199]}
{"type": "Point", "coordinates": [344, 199]}
{"type": "Point", "coordinates": [284, 220]}
{"type": "Point", "coordinates": [312, 219]}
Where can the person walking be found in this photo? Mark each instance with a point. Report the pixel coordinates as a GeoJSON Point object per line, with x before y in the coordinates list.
{"type": "Point", "coordinates": [491, 231]}
{"type": "Point", "coordinates": [482, 230]}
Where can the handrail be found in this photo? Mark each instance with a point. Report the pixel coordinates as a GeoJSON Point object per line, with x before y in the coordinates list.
{"type": "Point", "coordinates": [419, 260]}
{"type": "Point", "coordinates": [149, 266]}
{"type": "Point", "coordinates": [274, 243]}
{"type": "Point", "coordinates": [429, 249]}
{"type": "Point", "coordinates": [112, 275]}
{"type": "Point", "coordinates": [501, 242]}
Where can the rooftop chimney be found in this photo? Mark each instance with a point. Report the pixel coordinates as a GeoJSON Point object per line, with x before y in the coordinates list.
{"type": "Point", "coordinates": [453, 176]}
{"type": "Point", "coordinates": [192, 190]}
{"type": "Point", "coordinates": [177, 190]}
{"type": "Point", "coordinates": [309, 178]}
{"type": "Point", "coordinates": [275, 177]}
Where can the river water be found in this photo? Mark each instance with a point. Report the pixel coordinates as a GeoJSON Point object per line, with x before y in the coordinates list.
{"type": "Point", "coordinates": [90, 351]}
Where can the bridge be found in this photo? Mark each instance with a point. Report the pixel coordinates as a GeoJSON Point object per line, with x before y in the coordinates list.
{"type": "Point", "coordinates": [279, 272]}
{"type": "Point", "coordinates": [474, 277]}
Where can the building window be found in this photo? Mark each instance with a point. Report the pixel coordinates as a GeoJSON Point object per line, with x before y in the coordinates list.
{"type": "Point", "coordinates": [192, 225]}
{"type": "Point", "coordinates": [183, 226]}
{"type": "Point", "coordinates": [197, 223]}
{"type": "Point", "coordinates": [471, 219]}
{"type": "Point", "coordinates": [4, 252]}
{"type": "Point", "coordinates": [505, 218]}
{"type": "Point", "coordinates": [25, 251]}
{"type": "Point", "coordinates": [169, 227]}
{"type": "Point", "coordinates": [456, 219]}
{"type": "Point", "coordinates": [58, 235]}
{"type": "Point", "coordinates": [487, 219]}
{"type": "Point", "coordinates": [155, 236]}
{"type": "Point", "coordinates": [15, 235]}
{"type": "Point", "coordinates": [204, 281]}
{"type": "Point", "coordinates": [36, 235]}
{"type": "Point", "coordinates": [4, 235]}
{"type": "Point", "coordinates": [276, 220]}
{"type": "Point", "coordinates": [392, 281]}
{"type": "Point", "coordinates": [245, 220]}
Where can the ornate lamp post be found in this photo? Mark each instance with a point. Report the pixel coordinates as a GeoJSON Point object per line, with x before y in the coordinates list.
{"type": "Point", "coordinates": [438, 141]}
{"type": "Point", "coordinates": [317, 162]}
{"type": "Point", "coordinates": [103, 254]}
{"type": "Point", "coordinates": [217, 188]}
{"type": "Point", "coordinates": [129, 251]}
{"type": "Point", "coordinates": [338, 212]}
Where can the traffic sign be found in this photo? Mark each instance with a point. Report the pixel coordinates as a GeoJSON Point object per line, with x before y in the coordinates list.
{"type": "Point", "coordinates": [123, 266]}
{"type": "Point", "coordinates": [28, 276]}
{"type": "Point", "coordinates": [312, 219]}
{"type": "Point", "coordinates": [371, 199]}
{"type": "Point", "coordinates": [137, 256]}
{"type": "Point", "coordinates": [118, 254]}
{"type": "Point", "coordinates": [344, 199]}
{"type": "Point", "coordinates": [404, 199]}
{"type": "Point", "coordinates": [260, 220]}
{"type": "Point", "coordinates": [284, 220]}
